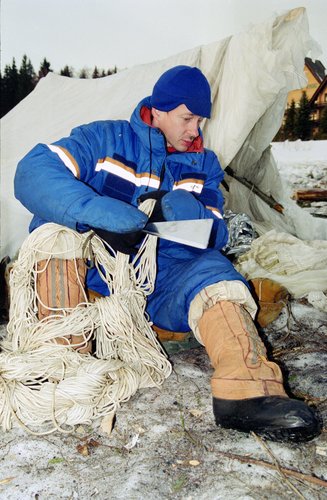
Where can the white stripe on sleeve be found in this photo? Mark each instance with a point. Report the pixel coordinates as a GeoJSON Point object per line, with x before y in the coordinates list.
{"type": "Point", "coordinates": [64, 158]}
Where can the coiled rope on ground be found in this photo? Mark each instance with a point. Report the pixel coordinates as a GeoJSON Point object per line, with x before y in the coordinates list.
{"type": "Point", "coordinates": [46, 386]}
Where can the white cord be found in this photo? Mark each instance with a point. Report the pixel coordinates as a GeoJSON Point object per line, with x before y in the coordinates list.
{"type": "Point", "coordinates": [47, 387]}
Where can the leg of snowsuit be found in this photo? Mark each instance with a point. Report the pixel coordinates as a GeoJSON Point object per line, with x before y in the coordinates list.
{"type": "Point", "coordinates": [179, 280]}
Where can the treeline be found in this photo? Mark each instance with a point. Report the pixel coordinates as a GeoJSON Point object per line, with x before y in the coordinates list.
{"type": "Point", "coordinates": [298, 122]}
{"type": "Point", "coordinates": [17, 83]}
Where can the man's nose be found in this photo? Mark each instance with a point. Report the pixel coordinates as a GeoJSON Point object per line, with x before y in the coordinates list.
{"type": "Point", "coordinates": [193, 130]}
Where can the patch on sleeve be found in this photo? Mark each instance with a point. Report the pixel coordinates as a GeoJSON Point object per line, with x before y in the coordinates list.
{"type": "Point", "coordinates": [192, 182]}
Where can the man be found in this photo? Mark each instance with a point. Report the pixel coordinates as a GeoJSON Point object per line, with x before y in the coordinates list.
{"type": "Point", "coordinates": [96, 177]}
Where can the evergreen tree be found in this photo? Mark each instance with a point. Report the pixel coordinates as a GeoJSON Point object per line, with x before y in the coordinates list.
{"type": "Point", "coordinates": [27, 77]}
{"type": "Point", "coordinates": [303, 125]}
{"type": "Point", "coordinates": [9, 88]}
{"type": "Point", "coordinates": [95, 73]}
{"type": "Point", "coordinates": [288, 128]}
{"type": "Point", "coordinates": [44, 68]}
{"type": "Point", "coordinates": [322, 132]}
{"type": "Point", "coordinates": [67, 71]}
{"type": "Point", "coordinates": [112, 71]}
{"type": "Point", "coordinates": [83, 73]}
{"type": "Point", "coordinates": [2, 87]}
{"type": "Point", "coordinates": [323, 121]}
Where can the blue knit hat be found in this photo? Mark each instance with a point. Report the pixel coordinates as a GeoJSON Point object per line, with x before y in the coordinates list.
{"type": "Point", "coordinates": [183, 85]}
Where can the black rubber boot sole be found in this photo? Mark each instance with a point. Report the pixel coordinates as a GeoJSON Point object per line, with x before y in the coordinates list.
{"type": "Point", "coordinates": [273, 417]}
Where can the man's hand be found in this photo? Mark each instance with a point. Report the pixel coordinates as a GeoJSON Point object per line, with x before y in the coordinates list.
{"type": "Point", "coordinates": [157, 215]}
{"type": "Point", "coordinates": [181, 205]}
{"type": "Point", "coordinates": [122, 226]}
{"type": "Point", "coordinates": [174, 205]}
{"type": "Point", "coordinates": [121, 242]}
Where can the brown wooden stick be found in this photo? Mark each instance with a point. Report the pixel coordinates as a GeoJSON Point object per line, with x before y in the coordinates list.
{"type": "Point", "coordinates": [250, 460]}
{"type": "Point", "coordinates": [317, 194]}
{"type": "Point", "coordinates": [254, 189]}
{"type": "Point", "coordinates": [277, 465]}
{"type": "Point", "coordinates": [287, 472]}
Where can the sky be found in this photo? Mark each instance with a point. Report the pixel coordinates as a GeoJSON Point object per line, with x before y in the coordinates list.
{"type": "Point", "coordinates": [124, 33]}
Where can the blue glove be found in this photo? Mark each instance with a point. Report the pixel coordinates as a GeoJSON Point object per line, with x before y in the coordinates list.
{"type": "Point", "coordinates": [106, 213]}
{"type": "Point", "coordinates": [182, 205]}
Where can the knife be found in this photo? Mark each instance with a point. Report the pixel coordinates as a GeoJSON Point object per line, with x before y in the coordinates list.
{"type": "Point", "coordinates": [195, 233]}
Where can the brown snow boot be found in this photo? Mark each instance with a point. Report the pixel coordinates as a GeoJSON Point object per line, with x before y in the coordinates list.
{"type": "Point", "coordinates": [271, 298]}
{"type": "Point", "coordinates": [247, 389]}
{"type": "Point", "coordinates": [59, 285]}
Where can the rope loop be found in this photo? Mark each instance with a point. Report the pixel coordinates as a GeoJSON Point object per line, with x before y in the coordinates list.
{"type": "Point", "coordinates": [47, 386]}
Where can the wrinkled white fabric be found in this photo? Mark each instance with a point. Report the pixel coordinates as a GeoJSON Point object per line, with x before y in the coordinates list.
{"type": "Point", "coordinates": [250, 74]}
{"type": "Point", "coordinates": [301, 266]}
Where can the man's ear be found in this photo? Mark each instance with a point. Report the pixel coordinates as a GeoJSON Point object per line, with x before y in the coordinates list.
{"type": "Point", "coordinates": [156, 115]}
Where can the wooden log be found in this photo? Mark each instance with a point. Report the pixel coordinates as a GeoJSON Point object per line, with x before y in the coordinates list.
{"type": "Point", "coordinates": [317, 194]}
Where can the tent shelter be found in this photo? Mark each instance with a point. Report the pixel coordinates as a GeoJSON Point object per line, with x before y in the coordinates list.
{"type": "Point", "coordinates": [250, 74]}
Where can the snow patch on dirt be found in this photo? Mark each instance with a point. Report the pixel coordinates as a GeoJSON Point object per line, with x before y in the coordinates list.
{"type": "Point", "coordinates": [303, 165]}
{"type": "Point", "coordinates": [179, 452]}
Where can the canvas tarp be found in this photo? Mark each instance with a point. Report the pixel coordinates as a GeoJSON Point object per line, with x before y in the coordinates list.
{"type": "Point", "coordinates": [250, 75]}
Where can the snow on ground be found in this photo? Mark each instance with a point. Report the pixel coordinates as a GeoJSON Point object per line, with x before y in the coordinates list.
{"type": "Point", "coordinates": [178, 451]}
{"type": "Point", "coordinates": [303, 165]}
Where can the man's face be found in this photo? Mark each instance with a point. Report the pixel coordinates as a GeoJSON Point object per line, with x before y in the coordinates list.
{"type": "Point", "coordinates": [179, 126]}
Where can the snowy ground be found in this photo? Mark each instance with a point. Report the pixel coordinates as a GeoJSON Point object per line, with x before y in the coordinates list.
{"type": "Point", "coordinates": [165, 444]}
{"type": "Point", "coordinates": [303, 165]}
{"type": "Point", "coordinates": [179, 452]}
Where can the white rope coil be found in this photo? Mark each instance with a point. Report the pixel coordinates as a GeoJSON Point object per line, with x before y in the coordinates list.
{"type": "Point", "coordinates": [46, 386]}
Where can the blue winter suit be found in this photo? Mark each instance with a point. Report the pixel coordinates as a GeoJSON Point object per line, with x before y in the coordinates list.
{"type": "Point", "coordinates": [91, 179]}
